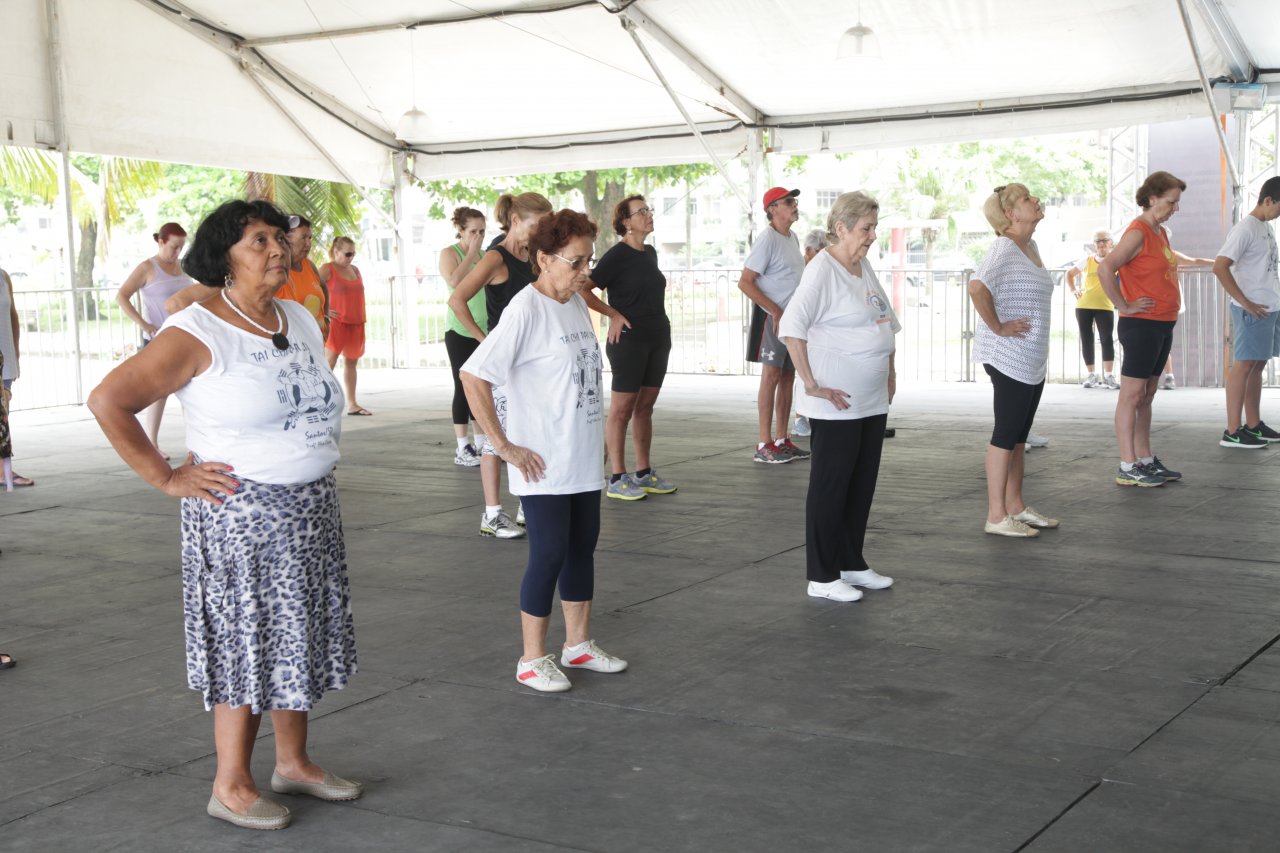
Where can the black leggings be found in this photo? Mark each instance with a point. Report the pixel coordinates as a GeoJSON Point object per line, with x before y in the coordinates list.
{"type": "Point", "coordinates": [459, 347]}
{"type": "Point", "coordinates": [842, 482]}
{"type": "Point", "coordinates": [563, 530]}
{"type": "Point", "coordinates": [1105, 321]}
{"type": "Point", "coordinates": [1015, 405]}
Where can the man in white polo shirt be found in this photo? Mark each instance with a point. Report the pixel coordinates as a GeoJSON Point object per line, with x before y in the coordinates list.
{"type": "Point", "coordinates": [1246, 269]}
{"type": "Point", "coordinates": [770, 275]}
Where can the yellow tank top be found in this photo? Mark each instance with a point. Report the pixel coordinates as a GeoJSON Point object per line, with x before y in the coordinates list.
{"type": "Point", "coordinates": [1093, 296]}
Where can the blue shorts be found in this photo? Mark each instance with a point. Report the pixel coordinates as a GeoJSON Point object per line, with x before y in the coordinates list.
{"type": "Point", "coordinates": [1254, 338]}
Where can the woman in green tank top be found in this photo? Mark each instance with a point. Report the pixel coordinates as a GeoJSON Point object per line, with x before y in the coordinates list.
{"type": "Point", "coordinates": [455, 262]}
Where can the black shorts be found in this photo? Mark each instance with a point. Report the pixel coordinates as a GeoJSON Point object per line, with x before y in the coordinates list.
{"type": "Point", "coordinates": [1146, 346]}
{"type": "Point", "coordinates": [638, 361]}
{"type": "Point", "coordinates": [1015, 405]}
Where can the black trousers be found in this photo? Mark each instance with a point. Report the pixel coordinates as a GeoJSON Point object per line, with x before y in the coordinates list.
{"type": "Point", "coordinates": [459, 347]}
{"type": "Point", "coordinates": [1086, 319]}
{"type": "Point", "coordinates": [842, 482]}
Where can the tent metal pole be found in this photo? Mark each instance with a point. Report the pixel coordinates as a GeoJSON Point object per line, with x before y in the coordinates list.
{"type": "Point", "coordinates": [630, 27]}
{"type": "Point", "coordinates": [58, 86]}
{"type": "Point", "coordinates": [374, 207]}
{"type": "Point", "coordinates": [400, 287]}
{"type": "Point", "coordinates": [1213, 113]}
{"type": "Point", "coordinates": [754, 157]}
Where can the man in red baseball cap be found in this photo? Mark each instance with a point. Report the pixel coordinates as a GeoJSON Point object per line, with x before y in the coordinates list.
{"type": "Point", "coordinates": [770, 275]}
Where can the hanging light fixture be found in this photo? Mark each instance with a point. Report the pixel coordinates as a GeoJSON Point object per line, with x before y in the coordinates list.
{"type": "Point", "coordinates": [859, 42]}
{"type": "Point", "coordinates": [414, 125]}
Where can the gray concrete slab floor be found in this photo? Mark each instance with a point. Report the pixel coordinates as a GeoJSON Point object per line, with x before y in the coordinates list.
{"type": "Point", "coordinates": [1111, 686]}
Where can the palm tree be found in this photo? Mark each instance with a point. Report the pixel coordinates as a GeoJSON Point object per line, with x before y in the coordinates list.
{"type": "Point", "coordinates": [333, 208]}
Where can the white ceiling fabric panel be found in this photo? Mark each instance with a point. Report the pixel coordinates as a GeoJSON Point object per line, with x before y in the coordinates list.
{"type": "Point", "coordinates": [534, 90]}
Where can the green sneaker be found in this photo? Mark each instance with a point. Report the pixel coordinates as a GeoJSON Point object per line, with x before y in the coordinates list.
{"type": "Point", "coordinates": [1261, 431]}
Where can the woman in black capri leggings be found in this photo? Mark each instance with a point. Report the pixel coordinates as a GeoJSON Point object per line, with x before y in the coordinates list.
{"type": "Point", "coordinates": [1012, 293]}
{"type": "Point", "coordinates": [455, 262]}
{"type": "Point", "coordinates": [1093, 308]}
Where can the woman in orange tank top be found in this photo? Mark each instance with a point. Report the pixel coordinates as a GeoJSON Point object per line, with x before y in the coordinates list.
{"type": "Point", "coordinates": [346, 313]}
{"type": "Point", "coordinates": [304, 285]}
{"type": "Point", "coordinates": [1148, 300]}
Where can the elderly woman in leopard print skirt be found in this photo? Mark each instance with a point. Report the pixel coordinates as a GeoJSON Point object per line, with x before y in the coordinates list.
{"type": "Point", "coordinates": [266, 599]}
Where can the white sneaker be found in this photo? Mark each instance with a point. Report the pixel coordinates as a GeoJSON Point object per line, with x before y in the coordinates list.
{"type": "Point", "coordinates": [1167, 382]}
{"type": "Point", "coordinates": [590, 656]}
{"type": "Point", "coordinates": [836, 591]}
{"type": "Point", "coordinates": [870, 578]}
{"type": "Point", "coordinates": [520, 514]}
{"type": "Point", "coordinates": [1109, 381]}
{"type": "Point", "coordinates": [801, 427]}
{"type": "Point", "coordinates": [542, 674]}
{"type": "Point", "coordinates": [1034, 440]}
{"type": "Point", "coordinates": [1090, 381]}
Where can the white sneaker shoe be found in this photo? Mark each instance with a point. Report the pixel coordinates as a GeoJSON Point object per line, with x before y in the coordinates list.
{"type": "Point", "coordinates": [1034, 440]}
{"type": "Point", "coordinates": [870, 578]}
{"type": "Point", "coordinates": [836, 591]}
{"type": "Point", "coordinates": [801, 427]}
{"type": "Point", "coordinates": [1090, 381]}
{"type": "Point", "coordinates": [590, 656]}
{"type": "Point", "coordinates": [542, 674]}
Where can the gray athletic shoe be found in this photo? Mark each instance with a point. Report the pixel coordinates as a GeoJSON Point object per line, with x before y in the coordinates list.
{"type": "Point", "coordinates": [500, 526]}
{"type": "Point", "coordinates": [1090, 381]}
{"type": "Point", "coordinates": [1109, 381]}
{"type": "Point", "coordinates": [652, 484]}
{"type": "Point", "coordinates": [1157, 468]}
{"type": "Point", "coordinates": [1137, 476]}
{"type": "Point", "coordinates": [770, 454]}
{"type": "Point", "coordinates": [622, 489]}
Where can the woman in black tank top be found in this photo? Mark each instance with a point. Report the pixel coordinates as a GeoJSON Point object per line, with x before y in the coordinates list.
{"type": "Point", "coordinates": [503, 272]}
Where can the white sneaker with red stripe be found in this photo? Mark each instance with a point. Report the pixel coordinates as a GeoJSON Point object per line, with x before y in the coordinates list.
{"type": "Point", "coordinates": [542, 674]}
{"type": "Point", "coordinates": [590, 656]}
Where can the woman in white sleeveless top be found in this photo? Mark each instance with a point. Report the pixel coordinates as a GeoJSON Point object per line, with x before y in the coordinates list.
{"type": "Point", "coordinates": [266, 599]}
{"type": "Point", "coordinates": [158, 278]}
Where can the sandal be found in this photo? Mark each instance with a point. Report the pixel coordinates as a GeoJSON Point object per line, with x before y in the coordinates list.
{"type": "Point", "coordinates": [7, 662]}
{"type": "Point", "coordinates": [21, 481]}
{"type": "Point", "coordinates": [363, 412]}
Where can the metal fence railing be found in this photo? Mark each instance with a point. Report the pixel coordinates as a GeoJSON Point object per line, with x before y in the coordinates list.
{"type": "Point", "coordinates": [71, 339]}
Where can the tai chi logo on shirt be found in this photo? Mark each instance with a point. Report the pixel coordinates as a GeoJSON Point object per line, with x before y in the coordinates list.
{"type": "Point", "coordinates": [587, 375]}
{"type": "Point", "coordinates": [311, 397]}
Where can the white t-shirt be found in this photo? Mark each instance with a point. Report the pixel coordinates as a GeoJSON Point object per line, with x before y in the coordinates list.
{"type": "Point", "coordinates": [544, 359]}
{"type": "Point", "coordinates": [849, 325]}
{"type": "Point", "coordinates": [274, 416]}
{"type": "Point", "coordinates": [1251, 246]}
{"type": "Point", "coordinates": [1020, 290]}
{"type": "Point", "coordinates": [778, 261]}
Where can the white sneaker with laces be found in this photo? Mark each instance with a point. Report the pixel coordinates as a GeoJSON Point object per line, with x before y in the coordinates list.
{"type": "Point", "coordinates": [836, 591]}
{"type": "Point", "coordinates": [542, 674]}
{"type": "Point", "coordinates": [588, 655]}
{"type": "Point", "coordinates": [1034, 440]}
{"type": "Point", "coordinates": [801, 427]}
{"type": "Point", "coordinates": [1090, 381]}
{"type": "Point", "coordinates": [870, 578]}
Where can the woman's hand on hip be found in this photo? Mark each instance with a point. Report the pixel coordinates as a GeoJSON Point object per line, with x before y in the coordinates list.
{"type": "Point", "coordinates": [1014, 328]}
{"type": "Point", "coordinates": [529, 463]}
{"type": "Point", "coordinates": [834, 396]}
{"type": "Point", "coordinates": [1141, 305]}
{"type": "Point", "coordinates": [191, 480]}
{"type": "Point", "coordinates": [616, 325]}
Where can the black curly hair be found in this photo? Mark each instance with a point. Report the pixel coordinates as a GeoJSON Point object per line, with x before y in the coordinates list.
{"type": "Point", "coordinates": [207, 259]}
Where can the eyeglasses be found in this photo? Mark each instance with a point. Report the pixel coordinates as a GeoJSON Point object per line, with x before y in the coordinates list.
{"type": "Point", "coordinates": [577, 263]}
{"type": "Point", "coordinates": [640, 212]}
{"type": "Point", "coordinates": [1101, 242]}
{"type": "Point", "coordinates": [790, 201]}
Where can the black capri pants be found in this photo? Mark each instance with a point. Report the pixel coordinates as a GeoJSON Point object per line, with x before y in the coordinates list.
{"type": "Point", "coordinates": [1104, 319]}
{"type": "Point", "coordinates": [842, 482]}
{"type": "Point", "coordinates": [1015, 405]}
{"type": "Point", "coordinates": [1147, 344]}
{"type": "Point", "coordinates": [459, 347]}
{"type": "Point", "coordinates": [638, 361]}
{"type": "Point", "coordinates": [563, 531]}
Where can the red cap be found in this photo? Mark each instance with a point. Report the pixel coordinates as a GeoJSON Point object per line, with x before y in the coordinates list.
{"type": "Point", "coordinates": [777, 194]}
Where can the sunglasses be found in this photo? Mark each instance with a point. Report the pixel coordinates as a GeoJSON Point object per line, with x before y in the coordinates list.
{"type": "Point", "coordinates": [347, 254]}
{"type": "Point", "coordinates": [577, 263]}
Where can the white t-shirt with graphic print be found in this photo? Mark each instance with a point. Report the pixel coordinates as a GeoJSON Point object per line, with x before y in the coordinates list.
{"type": "Point", "coordinates": [1251, 246]}
{"type": "Point", "coordinates": [1020, 290]}
{"type": "Point", "coordinates": [544, 359]}
{"type": "Point", "coordinates": [274, 416]}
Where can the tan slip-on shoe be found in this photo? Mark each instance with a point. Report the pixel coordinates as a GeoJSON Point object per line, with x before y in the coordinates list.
{"type": "Point", "coordinates": [1010, 526]}
{"type": "Point", "coordinates": [263, 814]}
{"type": "Point", "coordinates": [1031, 516]}
{"type": "Point", "coordinates": [332, 788]}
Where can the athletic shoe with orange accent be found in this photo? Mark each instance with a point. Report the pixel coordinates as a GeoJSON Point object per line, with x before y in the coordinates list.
{"type": "Point", "coordinates": [588, 655]}
{"type": "Point", "coordinates": [542, 674]}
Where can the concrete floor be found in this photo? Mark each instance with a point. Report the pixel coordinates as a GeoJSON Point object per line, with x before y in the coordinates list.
{"type": "Point", "coordinates": [1112, 686]}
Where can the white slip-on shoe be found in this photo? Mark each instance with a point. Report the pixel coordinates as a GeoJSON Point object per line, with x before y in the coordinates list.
{"type": "Point", "coordinates": [836, 591]}
{"type": "Point", "coordinates": [869, 578]}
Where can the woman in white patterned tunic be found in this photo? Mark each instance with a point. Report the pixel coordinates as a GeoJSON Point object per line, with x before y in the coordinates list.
{"type": "Point", "coordinates": [266, 600]}
{"type": "Point", "coordinates": [1012, 292]}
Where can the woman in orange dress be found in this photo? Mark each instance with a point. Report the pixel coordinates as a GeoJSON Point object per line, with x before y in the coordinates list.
{"type": "Point", "coordinates": [304, 285]}
{"type": "Point", "coordinates": [346, 316]}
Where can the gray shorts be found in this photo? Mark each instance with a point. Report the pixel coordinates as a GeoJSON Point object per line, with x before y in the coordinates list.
{"type": "Point", "coordinates": [1254, 338]}
{"type": "Point", "coordinates": [763, 344]}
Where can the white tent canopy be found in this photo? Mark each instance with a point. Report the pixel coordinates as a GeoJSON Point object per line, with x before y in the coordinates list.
{"type": "Point", "coordinates": [511, 87]}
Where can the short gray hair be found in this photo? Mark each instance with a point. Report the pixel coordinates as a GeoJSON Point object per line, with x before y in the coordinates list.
{"type": "Point", "coordinates": [816, 240]}
{"type": "Point", "coordinates": [849, 208]}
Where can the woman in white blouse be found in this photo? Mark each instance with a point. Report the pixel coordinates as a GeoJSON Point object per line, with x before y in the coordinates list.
{"type": "Point", "coordinates": [839, 328]}
{"type": "Point", "coordinates": [1012, 292]}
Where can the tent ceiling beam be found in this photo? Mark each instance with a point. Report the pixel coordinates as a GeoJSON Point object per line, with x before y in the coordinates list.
{"type": "Point", "coordinates": [747, 111]}
{"type": "Point", "coordinates": [574, 140]}
{"type": "Point", "coordinates": [184, 17]}
{"type": "Point", "coordinates": [417, 23]}
{"type": "Point", "coordinates": [1230, 159]}
{"type": "Point", "coordinates": [1224, 34]}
